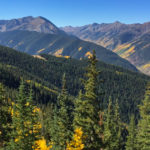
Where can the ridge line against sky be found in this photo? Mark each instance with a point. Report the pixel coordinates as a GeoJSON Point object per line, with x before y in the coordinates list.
{"type": "Point", "coordinates": [78, 12]}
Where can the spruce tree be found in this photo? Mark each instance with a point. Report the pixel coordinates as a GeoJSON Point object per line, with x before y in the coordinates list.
{"type": "Point", "coordinates": [131, 138]}
{"type": "Point", "coordinates": [5, 117]}
{"type": "Point", "coordinates": [143, 130]}
{"type": "Point", "coordinates": [86, 113]}
{"type": "Point", "coordinates": [108, 127]}
{"type": "Point", "coordinates": [25, 122]}
{"type": "Point", "coordinates": [112, 128]}
{"type": "Point", "coordinates": [117, 128]}
{"type": "Point", "coordinates": [61, 129]}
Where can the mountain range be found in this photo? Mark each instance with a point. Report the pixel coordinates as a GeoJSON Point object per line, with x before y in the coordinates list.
{"type": "Point", "coordinates": [130, 41]}
{"type": "Point", "coordinates": [38, 35]}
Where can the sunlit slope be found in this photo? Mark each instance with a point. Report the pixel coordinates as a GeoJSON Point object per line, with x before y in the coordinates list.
{"type": "Point", "coordinates": [137, 52]}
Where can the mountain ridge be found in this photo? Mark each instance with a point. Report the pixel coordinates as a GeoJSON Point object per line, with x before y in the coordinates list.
{"type": "Point", "coordinates": [123, 39]}
{"type": "Point", "coordinates": [29, 23]}
{"type": "Point", "coordinates": [35, 43]}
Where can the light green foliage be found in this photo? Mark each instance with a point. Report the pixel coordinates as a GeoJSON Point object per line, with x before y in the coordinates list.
{"type": "Point", "coordinates": [131, 138]}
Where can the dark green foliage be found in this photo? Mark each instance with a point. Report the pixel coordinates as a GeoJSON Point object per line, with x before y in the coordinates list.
{"type": "Point", "coordinates": [119, 83]}
{"type": "Point", "coordinates": [143, 130]}
{"type": "Point", "coordinates": [117, 126]}
{"type": "Point", "coordinates": [45, 76]}
{"type": "Point", "coordinates": [112, 128]}
{"type": "Point", "coordinates": [5, 116]}
{"type": "Point", "coordinates": [86, 113]}
{"type": "Point", "coordinates": [61, 129]}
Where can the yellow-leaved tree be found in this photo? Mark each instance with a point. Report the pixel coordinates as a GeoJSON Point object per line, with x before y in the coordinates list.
{"type": "Point", "coordinates": [77, 141]}
{"type": "Point", "coordinates": [42, 145]}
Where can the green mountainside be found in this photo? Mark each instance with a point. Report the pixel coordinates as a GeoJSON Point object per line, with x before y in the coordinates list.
{"type": "Point", "coordinates": [45, 72]}
{"type": "Point", "coordinates": [35, 43]}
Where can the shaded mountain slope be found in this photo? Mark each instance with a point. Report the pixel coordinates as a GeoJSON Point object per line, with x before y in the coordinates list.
{"type": "Point", "coordinates": [59, 45]}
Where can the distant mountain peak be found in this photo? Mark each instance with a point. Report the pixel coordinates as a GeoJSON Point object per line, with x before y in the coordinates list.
{"type": "Point", "coordinates": [30, 23]}
{"type": "Point", "coordinates": [43, 18]}
{"type": "Point", "coordinates": [95, 24]}
{"type": "Point", "coordinates": [117, 22]}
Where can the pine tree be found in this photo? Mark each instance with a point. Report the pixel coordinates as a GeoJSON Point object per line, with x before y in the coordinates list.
{"type": "Point", "coordinates": [5, 117]}
{"type": "Point", "coordinates": [131, 138]}
{"type": "Point", "coordinates": [62, 124]}
{"type": "Point", "coordinates": [86, 113]}
{"type": "Point", "coordinates": [25, 122]}
{"type": "Point", "coordinates": [143, 130]}
{"type": "Point", "coordinates": [112, 128]}
{"type": "Point", "coordinates": [117, 128]}
{"type": "Point", "coordinates": [108, 127]}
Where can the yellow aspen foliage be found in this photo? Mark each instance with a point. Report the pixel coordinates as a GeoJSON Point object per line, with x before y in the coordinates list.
{"type": "Point", "coordinates": [36, 109]}
{"type": "Point", "coordinates": [77, 142]}
{"type": "Point", "coordinates": [41, 145]}
{"type": "Point", "coordinates": [27, 104]}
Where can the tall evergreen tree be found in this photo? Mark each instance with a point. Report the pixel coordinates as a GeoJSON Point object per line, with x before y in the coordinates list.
{"type": "Point", "coordinates": [5, 117]}
{"type": "Point", "coordinates": [86, 113]}
{"type": "Point", "coordinates": [112, 128]}
{"type": "Point", "coordinates": [143, 131]}
{"type": "Point", "coordinates": [131, 138]}
{"type": "Point", "coordinates": [117, 127]}
{"type": "Point", "coordinates": [25, 124]}
{"type": "Point", "coordinates": [62, 125]}
{"type": "Point", "coordinates": [108, 127]}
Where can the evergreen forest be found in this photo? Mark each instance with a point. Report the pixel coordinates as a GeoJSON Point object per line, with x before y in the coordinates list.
{"type": "Point", "coordinates": [51, 103]}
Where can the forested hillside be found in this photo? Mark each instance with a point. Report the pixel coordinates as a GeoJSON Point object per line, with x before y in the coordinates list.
{"type": "Point", "coordinates": [93, 115]}
{"type": "Point", "coordinates": [46, 73]}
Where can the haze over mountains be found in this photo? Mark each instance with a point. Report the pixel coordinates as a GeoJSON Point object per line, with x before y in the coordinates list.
{"type": "Point", "coordinates": [130, 41]}
{"type": "Point", "coordinates": [20, 34]}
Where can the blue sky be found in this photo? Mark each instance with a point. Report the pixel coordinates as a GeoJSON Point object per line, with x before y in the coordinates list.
{"type": "Point", "coordinates": [78, 12]}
